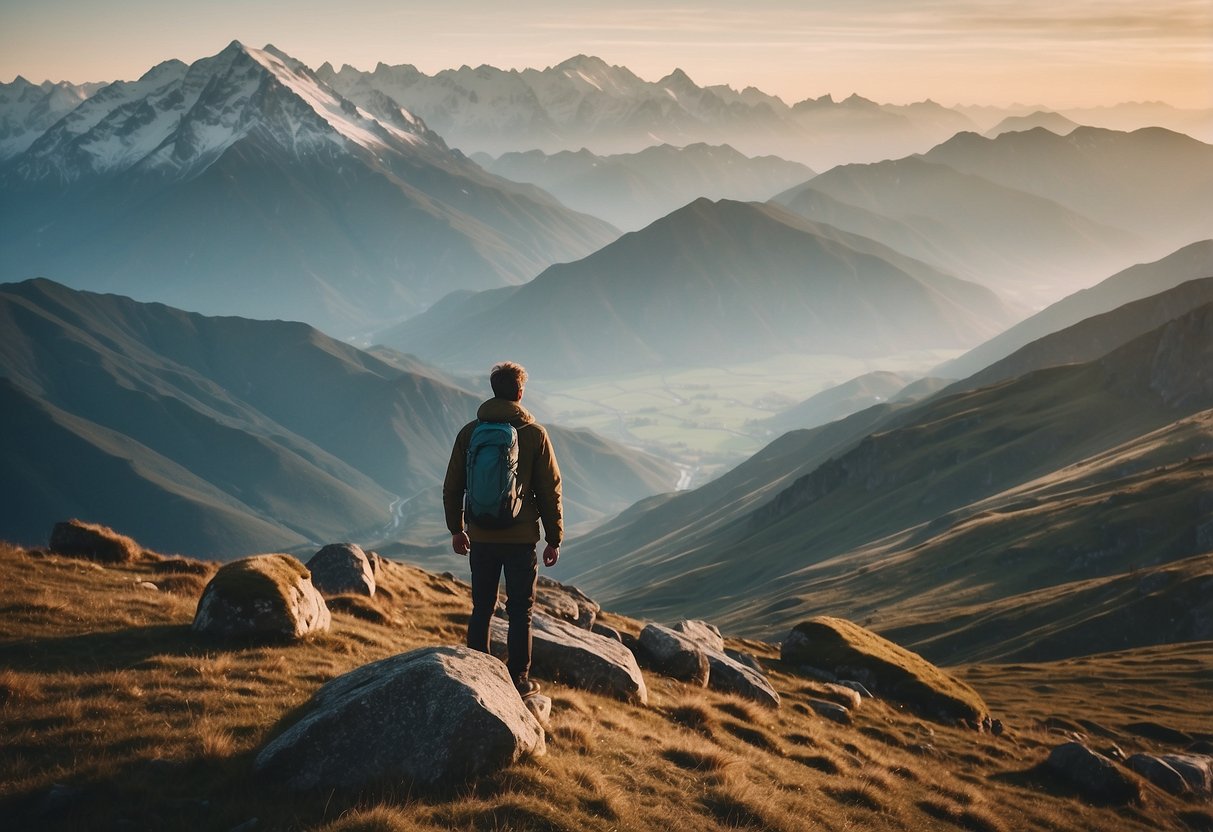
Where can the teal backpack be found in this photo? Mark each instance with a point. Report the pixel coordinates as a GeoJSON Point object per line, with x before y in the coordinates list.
{"type": "Point", "coordinates": [492, 499]}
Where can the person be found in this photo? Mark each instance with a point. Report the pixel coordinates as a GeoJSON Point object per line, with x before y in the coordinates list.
{"type": "Point", "coordinates": [512, 549]}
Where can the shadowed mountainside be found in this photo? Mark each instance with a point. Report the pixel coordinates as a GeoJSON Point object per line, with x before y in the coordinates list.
{"type": "Point", "coordinates": [208, 435]}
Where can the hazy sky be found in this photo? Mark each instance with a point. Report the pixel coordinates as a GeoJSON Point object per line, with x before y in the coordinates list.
{"type": "Point", "coordinates": [1054, 52]}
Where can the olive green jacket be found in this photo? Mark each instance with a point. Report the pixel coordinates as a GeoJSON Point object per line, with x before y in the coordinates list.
{"type": "Point", "coordinates": [538, 479]}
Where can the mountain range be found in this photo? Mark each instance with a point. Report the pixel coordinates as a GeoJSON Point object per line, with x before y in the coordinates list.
{"type": "Point", "coordinates": [712, 283]}
{"type": "Point", "coordinates": [242, 184]}
{"type": "Point", "coordinates": [632, 190]}
{"type": "Point", "coordinates": [942, 520]}
{"type": "Point", "coordinates": [226, 436]}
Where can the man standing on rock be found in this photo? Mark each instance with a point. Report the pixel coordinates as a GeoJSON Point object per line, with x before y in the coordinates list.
{"type": "Point", "coordinates": [507, 455]}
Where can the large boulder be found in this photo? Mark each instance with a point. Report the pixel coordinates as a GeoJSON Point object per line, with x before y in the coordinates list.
{"type": "Point", "coordinates": [265, 596]}
{"type": "Point", "coordinates": [342, 569]}
{"type": "Point", "coordinates": [1096, 778]}
{"type": "Point", "coordinates": [92, 541]}
{"type": "Point", "coordinates": [888, 670]}
{"type": "Point", "coordinates": [1158, 772]}
{"type": "Point", "coordinates": [1195, 769]}
{"type": "Point", "coordinates": [579, 658]}
{"type": "Point", "coordinates": [567, 603]}
{"type": "Point", "coordinates": [672, 654]}
{"type": "Point", "coordinates": [726, 673]}
{"type": "Point", "coordinates": [434, 716]}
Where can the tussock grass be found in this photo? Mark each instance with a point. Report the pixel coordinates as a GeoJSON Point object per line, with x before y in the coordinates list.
{"type": "Point", "coordinates": [104, 689]}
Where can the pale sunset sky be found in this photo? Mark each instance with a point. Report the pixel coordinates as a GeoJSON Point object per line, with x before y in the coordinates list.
{"type": "Point", "coordinates": [1071, 53]}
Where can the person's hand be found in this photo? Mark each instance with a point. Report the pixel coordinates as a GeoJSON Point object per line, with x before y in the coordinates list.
{"type": "Point", "coordinates": [550, 555]}
{"type": "Point", "coordinates": [461, 543]}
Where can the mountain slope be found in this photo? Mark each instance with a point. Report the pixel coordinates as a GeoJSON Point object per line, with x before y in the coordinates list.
{"type": "Point", "coordinates": [227, 435]}
{"type": "Point", "coordinates": [634, 189]}
{"type": "Point", "coordinates": [27, 110]}
{"type": "Point", "coordinates": [710, 283]}
{"type": "Point", "coordinates": [1020, 243]}
{"type": "Point", "coordinates": [241, 184]}
{"type": "Point", "coordinates": [857, 518]}
{"type": "Point", "coordinates": [1191, 262]}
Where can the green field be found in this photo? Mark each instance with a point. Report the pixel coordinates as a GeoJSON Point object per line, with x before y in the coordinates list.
{"type": "Point", "coordinates": [708, 418]}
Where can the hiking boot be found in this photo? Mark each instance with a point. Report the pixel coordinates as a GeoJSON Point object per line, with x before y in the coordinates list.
{"type": "Point", "coordinates": [527, 687]}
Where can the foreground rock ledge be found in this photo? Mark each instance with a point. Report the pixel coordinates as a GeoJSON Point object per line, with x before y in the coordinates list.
{"type": "Point", "coordinates": [431, 717]}
{"type": "Point", "coordinates": [852, 652]}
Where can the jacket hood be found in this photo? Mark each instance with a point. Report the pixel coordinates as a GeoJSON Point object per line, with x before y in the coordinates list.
{"type": "Point", "coordinates": [503, 410]}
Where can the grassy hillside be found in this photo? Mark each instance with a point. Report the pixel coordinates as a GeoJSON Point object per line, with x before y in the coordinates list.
{"type": "Point", "coordinates": [115, 715]}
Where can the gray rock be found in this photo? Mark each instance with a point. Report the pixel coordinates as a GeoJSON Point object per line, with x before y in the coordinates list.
{"type": "Point", "coordinates": [540, 707]}
{"type": "Point", "coordinates": [847, 696]}
{"type": "Point", "coordinates": [342, 569]}
{"type": "Point", "coordinates": [266, 596]}
{"type": "Point", "coordinates": [857, 687]}
{"type": "Point", "coordinates": [831, 710]}
{"type": "Point", "coordinates": [1195, 769]}
{"type": "Point", "coordinates": [1094, 776]}
{"type": "Point", "coordinates": [376, 561]}
{"type": "Point", "coordinates": [675, 655]}
{"type": "Point", "coordinates": [746, 659]}
{"type": "Point", "coordinates": [702, 633]}
{"type": "Point", "coordinates": [566, 602]}
{"type": "Point", "coordinates": [579, 658]}
{"type": "Point", "coordinates": [730, 676]}
{"type": "Point", "coordinates": [434, 716]}
{"type": "Point", "coordinates": [1157, 772]}
{"type": "Point", "coordinates": [606, 632]}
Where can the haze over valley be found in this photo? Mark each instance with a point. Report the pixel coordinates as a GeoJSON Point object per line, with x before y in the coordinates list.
{"type": "Point", "coordinates": [937, 374]}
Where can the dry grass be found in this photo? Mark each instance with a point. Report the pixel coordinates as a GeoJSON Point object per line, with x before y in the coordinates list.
{"type": "Point", "coordinates": [105, 690]}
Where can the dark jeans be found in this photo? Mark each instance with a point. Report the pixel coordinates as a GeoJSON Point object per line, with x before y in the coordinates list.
{"type": "Point", "coordinates": [488, 561]}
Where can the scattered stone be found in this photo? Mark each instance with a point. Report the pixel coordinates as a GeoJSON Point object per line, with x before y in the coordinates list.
{"type": "Point", "coordinates": [1158, 733]}
{"type": "Point", "coordinates": [843, 695]}
{"type": "Point", "coordinates": [997, 728]}
{"type": "Point", "coordinates": [673, 654]}
{"type": "Point", "coordinates": [745, 659]}
{"type": "Point", "coordinates": [540, 707]}
{"type": "Point", "coordinates": [702, 633]}
{"type": "Point", "coordinates": [564, 652]}
{"type": "Point", "coordinates": [1158, 772]}
{"type": "Point", "coordinates": [148, 585]}
{"type": "Point", "coordinates": [376, 561]}
{"type": "Point", "coordinates": [1196, 770]}
{"type": "Point", "coordinates": [606, 632]}
{"type": "Point", "coordinates": [342, 569]}
{"type": "Point", "coordinates": [1095, 776]}
{"type": "Point", "coordinates": [76, 538]}
{"type": "Point", "coordinates": [266, 596]}
{"type": "Point", "coordinates": [882, 667]}
{"type": "Point", "coordinates": [567, 603]}
{"type": "Point", "coordinates": [434, 716]}
{"type": "Point", "coordinates": [859, 688]}
{"type": "Point", "coordinates": [831, 710]}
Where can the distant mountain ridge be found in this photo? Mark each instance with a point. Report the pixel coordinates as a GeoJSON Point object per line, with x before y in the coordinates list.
{"type": "Point", "coordinates": [228, 436]}
{"type": "Point", "coordinates": [710, 283]}
{"type": "Point", "coordinates": [242, 184]}
{"type": "Point", "coordinates": [634, 189]}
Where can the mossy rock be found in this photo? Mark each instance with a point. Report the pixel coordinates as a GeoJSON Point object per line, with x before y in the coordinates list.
{"type": "Point", "coordinates": [266, 596]}
{"type": "Point", "coordinates": [891, 671]}
{"type": "Point", "coordinates": [94, 542]}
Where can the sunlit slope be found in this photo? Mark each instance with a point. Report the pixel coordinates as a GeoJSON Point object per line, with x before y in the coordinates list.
{"type": "Point", "coordinates": [1189, 263]}
{"type": "Point", "coordinates": [227, 435]}
{"type": "Point", "coordinates": [711, 283]}
{"type": "Point", "coordinates": [920, 465]}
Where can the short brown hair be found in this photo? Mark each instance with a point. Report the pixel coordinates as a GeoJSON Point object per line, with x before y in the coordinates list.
{"type": "Point", "coordinates": [507, 380]}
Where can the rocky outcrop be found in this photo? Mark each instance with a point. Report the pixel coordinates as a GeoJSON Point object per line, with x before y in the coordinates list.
{"type": "Point", "coordinates": [1158, 772]}
{"type": "Point", "coordinates": [888, 670]}
{"type": "Point", "coordinates": [1195, 769]}
{"type": "Point", "coordinates": [342, 569]}
{"type": "Point", "coordinates": [567, 603]}
{"type": "Point", "coordinates": [578, 658]}
{"type": "Point", "coordinates": [1093, 775]}
{"type": "Point", "coordinates": [672, 654]}
{"type": "Point", "coordinates": [831, 711]}
{"type": "Point", "coordinates": [94, 542]}
{"type": "Point", "coordinates": [266, 596]}
{"type": "Point", "coordinates": [726, 673]}
{"type": "Point", "coordinates": [431, 717]}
